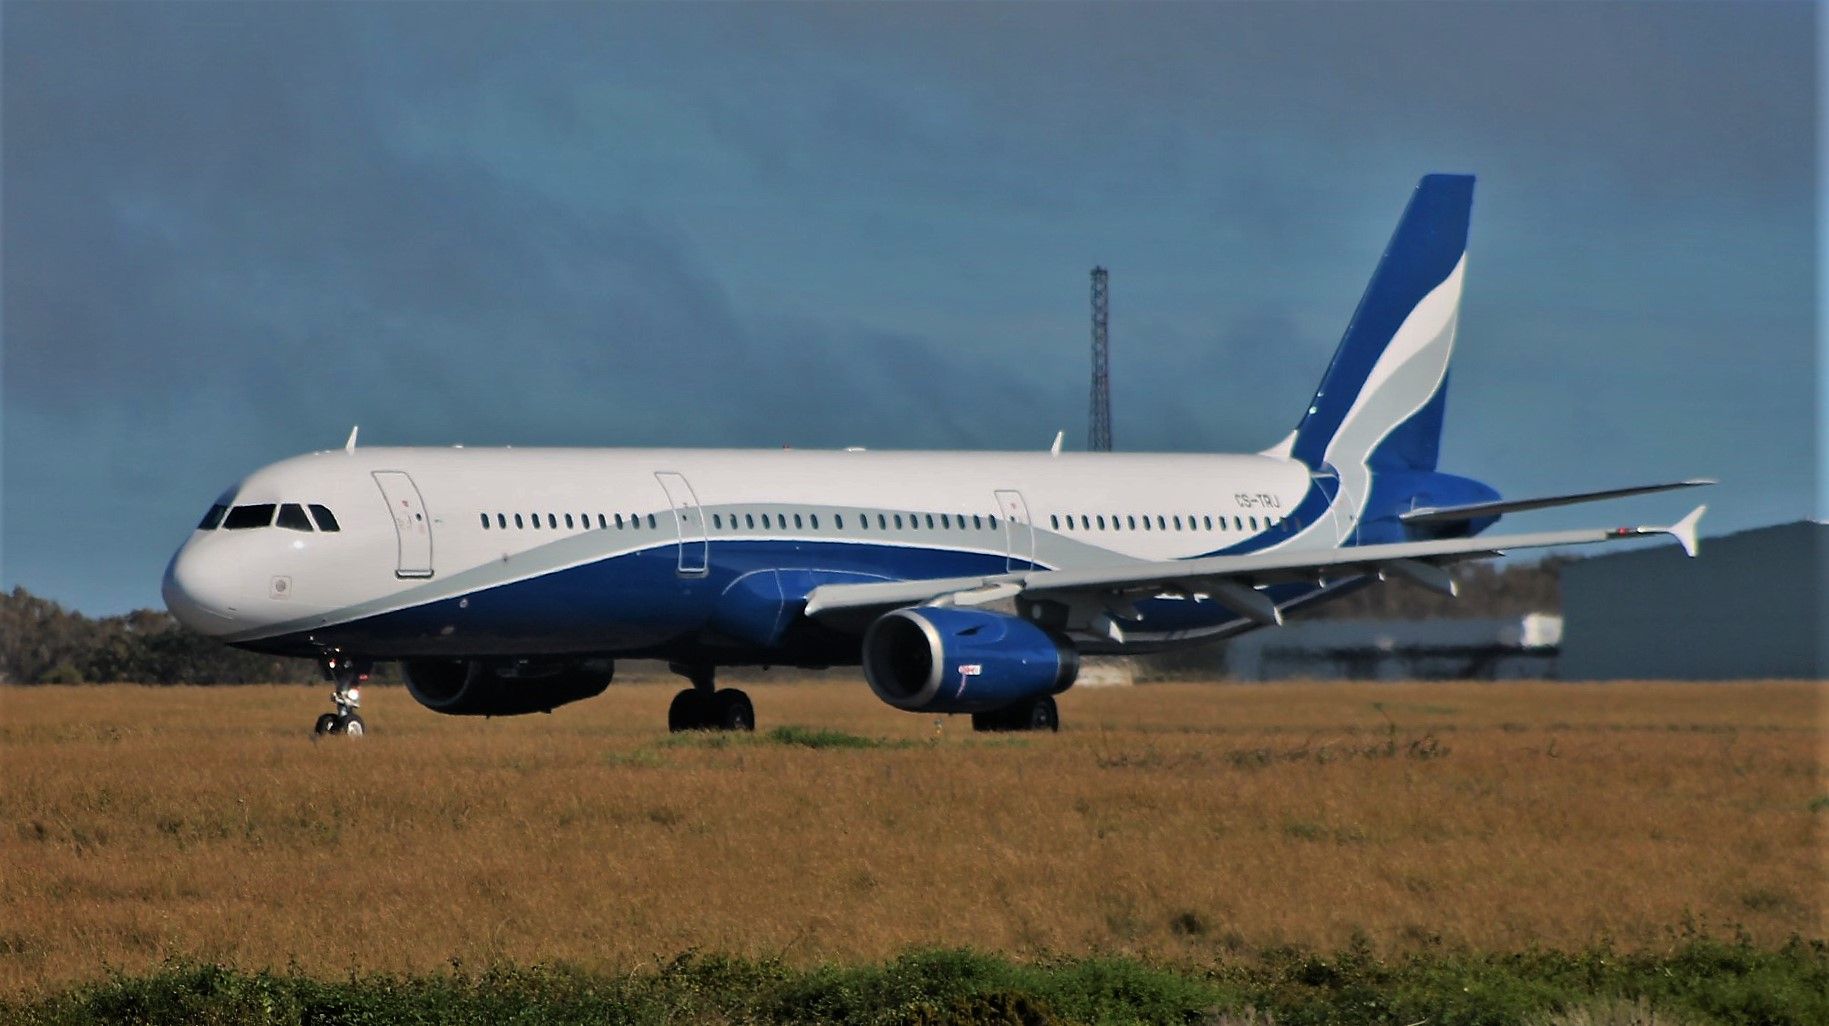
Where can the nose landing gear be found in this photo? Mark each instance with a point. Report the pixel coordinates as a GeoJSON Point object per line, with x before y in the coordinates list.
{"type": "Point", "coordinates": [346, 674]}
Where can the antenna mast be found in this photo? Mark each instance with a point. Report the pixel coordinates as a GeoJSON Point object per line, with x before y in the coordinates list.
{"type": "Point", "coordinates": [1100, 438]}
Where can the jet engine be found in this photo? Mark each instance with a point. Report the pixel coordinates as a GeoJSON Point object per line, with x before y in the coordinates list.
{"type": "Point", "coordinates": [950, 660]}
{"type": "Point", "coordinates": [471, 687]}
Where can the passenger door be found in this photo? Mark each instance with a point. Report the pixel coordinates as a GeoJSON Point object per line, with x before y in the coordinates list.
{"type": "Point", "coordinates": [1342, 510]}
{"type": "Point", "coordinates": [1018, 534]}
{"type": "Point", "coordinates": [412, 528]}
{"type": "Point", "coordinates": [690, 520]}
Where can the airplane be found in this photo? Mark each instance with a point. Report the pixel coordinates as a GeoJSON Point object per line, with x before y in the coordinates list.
{"type": "Point", "coordinates": [509, 580]}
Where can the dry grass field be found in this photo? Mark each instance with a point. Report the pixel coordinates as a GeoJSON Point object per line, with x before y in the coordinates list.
{"type": "Point", "coordinates": [1172, 821]}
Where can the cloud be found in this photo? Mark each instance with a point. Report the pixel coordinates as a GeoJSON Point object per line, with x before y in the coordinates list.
{"type": "Point", "coordinates": [233, 230]}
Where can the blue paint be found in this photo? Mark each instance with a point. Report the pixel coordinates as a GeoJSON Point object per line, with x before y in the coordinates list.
{"type": "Point", "coordinates": [1429, 241]}
{"type": "Point", "coordinates": [986, 661]}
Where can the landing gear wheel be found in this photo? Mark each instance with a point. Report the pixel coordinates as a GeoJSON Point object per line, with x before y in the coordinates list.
{"type": "Point", "coordinates": [1043, 714]}
{"type": "Point", "coordinates": [1034, 714]}
{"type": "Point", "coordinates": [688, 711]}
{"type": "Point", "coordinates": [346, 674]}
{"type": "Point", "coordinates": [732, 711]}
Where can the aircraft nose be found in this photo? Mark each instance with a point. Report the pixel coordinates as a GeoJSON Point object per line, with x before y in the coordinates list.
{"type": "Point", "coordinates": [201, 592]}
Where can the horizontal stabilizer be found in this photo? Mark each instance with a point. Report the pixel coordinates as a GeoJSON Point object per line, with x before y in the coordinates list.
{"type": "Point", "coordinates": [1475, 510]}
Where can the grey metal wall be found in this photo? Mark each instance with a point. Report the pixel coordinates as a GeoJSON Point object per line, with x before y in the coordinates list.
{"type": "Point", "coordinates": [1750, 606]}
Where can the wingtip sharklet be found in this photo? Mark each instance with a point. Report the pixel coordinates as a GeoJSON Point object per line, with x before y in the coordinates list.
{"type": "Point", "coordinates": [1684, 530]}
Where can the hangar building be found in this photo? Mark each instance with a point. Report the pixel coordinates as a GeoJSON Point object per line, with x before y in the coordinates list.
{"type": "Point", "coordinates": [1752, 605]}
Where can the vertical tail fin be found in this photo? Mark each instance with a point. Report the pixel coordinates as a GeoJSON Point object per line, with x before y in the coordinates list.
{"type": "Point", "coordinates": [1380, 404]}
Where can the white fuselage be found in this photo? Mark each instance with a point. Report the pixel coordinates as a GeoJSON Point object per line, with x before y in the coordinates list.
{"type": "Point", "coordinates": [624, 550]}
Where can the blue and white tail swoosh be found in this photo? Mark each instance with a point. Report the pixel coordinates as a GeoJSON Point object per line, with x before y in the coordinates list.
{"type": "Point", "coordinates": [1381, 402]}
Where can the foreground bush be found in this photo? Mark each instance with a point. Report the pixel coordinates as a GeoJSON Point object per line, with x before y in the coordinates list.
{"type": "Point", "coordinates": [1703, 981]}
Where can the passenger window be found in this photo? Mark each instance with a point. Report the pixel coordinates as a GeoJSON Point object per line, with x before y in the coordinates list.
{"type": "Point", "coordinates": [568, 521]}
{"type": "Point", "coordinates": [882, 522]}
{"type": "Point", "coordinates": [1085, 522]}
{"type": "Point", "coordinates": [292, 517]}
{"type": "Point", "coordinates": [1054, 521]}
{"type": "Point", "coordinates": [914, 521]}
{"type": "Point", "coordinates": [930, 521]}
{"type": "Point", "coordinates": [1177, 523]}
{"type": "Point", "coordinates": [1254, 523]}
{"type": "Point", "coordinates": [1101, 523]}
{"type": "Point", "coordinates": [517, 520]}
{"type": "Point", "coordinates": [750, 519]}
{"type": "Point", "coordinates": [814, 518]}
{"type": "Point", "coordinates": [898, 521]}
{"type": "Point", "coordinates": [1133, 523]}
{"type": "Point", "coordinates": [602, 523]}
{"type": "Point", "coordinates": [1208, 520]}
{"type": "Point", "coordinates": [993, 521]}
{"type": "Point", "coordinates": [552, 521]}
{"type": "Point", "coordinates": [781, 521]}
{"type": "Point", "coordinates": [651, 520]}
{"type": "Point", "coordinates": [946, 521]}
{"type": "Point", "coordinates": [717, 520]}
{"type": "Point", "coordinates": [535, 517]}
{"type": "Point", "coordinates": [840, 519]}
{"type": "Point", "coordinates": [1238, 523]}
{"type": "Point", "coordinates": [485, 517]}
{"type": "Point", "coordinates": [243, 517]}
{"type": "Point", "coordinates": [977, 524]}
{"type": "Point", "coordinates": [796, 521]}
{"type": "Point", "coordinates": [213, 519]}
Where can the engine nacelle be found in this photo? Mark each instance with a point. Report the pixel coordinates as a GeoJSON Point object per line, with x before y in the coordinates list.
{"type": "Point", "coordinates": [949, 660]}
{"type": "Point", "coordinates": [471, 687]}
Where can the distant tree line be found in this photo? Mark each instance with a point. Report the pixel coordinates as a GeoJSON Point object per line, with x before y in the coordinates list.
{"type": "Point", "coordinates": [41, 642]}
{"type": "Point", "coordinates": [1487, 591]}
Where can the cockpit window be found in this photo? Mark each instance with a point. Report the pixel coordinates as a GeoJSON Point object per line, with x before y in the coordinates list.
{"type": "Point", "coordinates": [292, 517]}
{"type": "Point", "coordinates": [243, 517]}
{"type": "Point", "coordinates": [326, 522]}
{"type": "Point", "coordinates": [213, 519]}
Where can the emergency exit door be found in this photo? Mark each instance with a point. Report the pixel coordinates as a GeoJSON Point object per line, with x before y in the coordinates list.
{"type": "Point", "coordinates": [690, 520]}
{"type": "Point", "coordinates": [1018, 533]}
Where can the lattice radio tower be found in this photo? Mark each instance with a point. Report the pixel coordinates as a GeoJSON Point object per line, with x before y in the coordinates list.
{"type": "Point", "coordinates": [1100, 437]}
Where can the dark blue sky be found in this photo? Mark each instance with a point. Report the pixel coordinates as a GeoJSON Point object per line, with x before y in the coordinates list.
{"type": "Point", "coordinates": [233, 230]}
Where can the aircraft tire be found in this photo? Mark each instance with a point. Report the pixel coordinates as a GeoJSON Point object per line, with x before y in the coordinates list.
{"type": "Point", "coordinates": [327, 724]}
{"type": "Point", "coordinates": [1042, 714]}
{"type": "Point", "coordinates": [732, 711]}
{"type": "Point", "coordinates": [349, 726]}
{"type": "Point", "coordinates": [1034, 714]}
{"type": "Point", "coordinates": [688, 712]}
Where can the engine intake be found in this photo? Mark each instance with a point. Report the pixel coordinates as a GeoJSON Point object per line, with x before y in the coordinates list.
{"type": "Point", "coordinates": [470, 687]}
{"type": "Point", "coordinates": [941, 659]}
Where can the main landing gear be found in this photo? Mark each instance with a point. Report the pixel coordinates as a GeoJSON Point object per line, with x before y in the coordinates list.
{"type": "Point", "coordinates": [705, 706]}
{"type": "Point", "coordinates": [346, 673]}
{"type": "Point", "coordinates": [1034, 714]}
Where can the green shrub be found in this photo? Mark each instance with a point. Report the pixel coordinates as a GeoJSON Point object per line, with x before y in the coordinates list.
{"type": "Point", "coordinates": [1700, 981]}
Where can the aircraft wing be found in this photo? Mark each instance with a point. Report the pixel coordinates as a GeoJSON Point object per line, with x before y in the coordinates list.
{"type": "Point", "coordinates": [1232, 580]}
